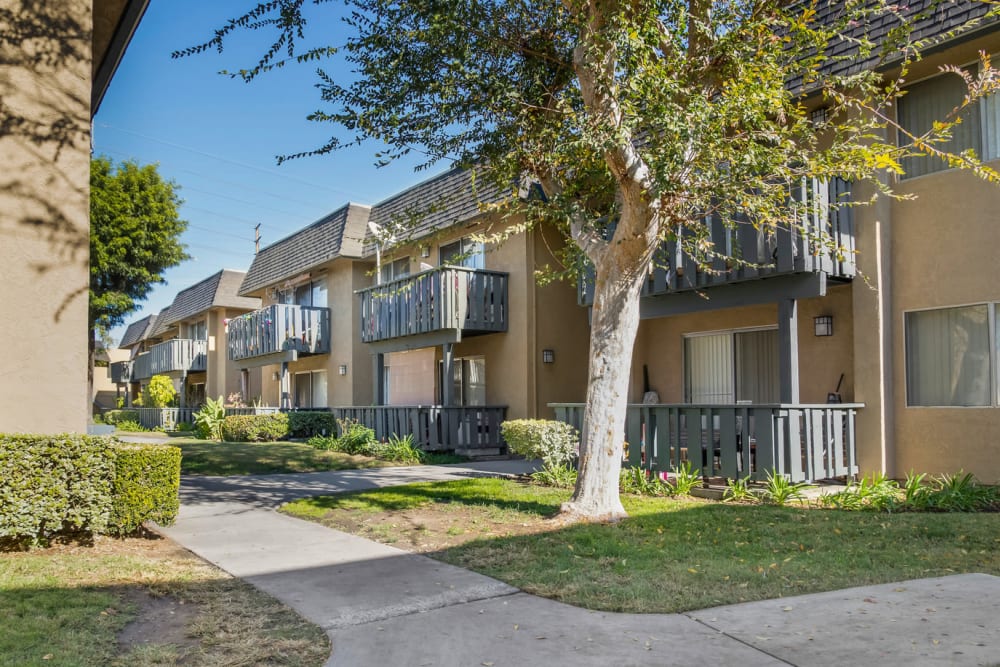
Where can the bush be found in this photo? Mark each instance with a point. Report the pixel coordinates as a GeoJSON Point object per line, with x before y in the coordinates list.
{"type": "Point", "coordinates": [308, 424]}
{"type": "Point", "coordinates": [145, 488]}
{"type": "Point", "coordinates": [555, 443]}
{"type": "Point", "coordinates": [114, 416]}
{"type": "Point", "coordinates": [131, 426]}
{"type": "Point", "coordinates": [255, 428]}
{"type": "Point", "coordinates": [398, 450]}
{"type": "Point", "coordinates": [160, 392]}
{"type": "Point", "coordinates": [355, 438]}
{"type": "Point", "coordinates": [83, 484]}
{"type": "Point", "coordinates": [208, 420]}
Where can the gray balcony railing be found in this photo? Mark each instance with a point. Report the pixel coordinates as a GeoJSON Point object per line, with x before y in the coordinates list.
{"type": "Point", "coordinates": [433, 427]}
{"type": "Point", "coordinates": [121, 372]}
{"type": "Point", "coordinates": [176, 355]}
{"type": "Point", "coordinates": [446, 297]}
{"type": "Point", "coordinates": [822, 242]}
{"type": "Point", "coordinates": [142, 367]}
{"type": "Point", "coordinates": [279, 328]}
{"type": "Point", "coordinates": [803, 442]}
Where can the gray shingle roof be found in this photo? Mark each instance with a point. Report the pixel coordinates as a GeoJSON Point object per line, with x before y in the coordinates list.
{"type": "Point", "coordinates": [440, 202]}
{"type": "Point", "coordinates": [933, 18]}
{"type": "Point", "coordinates": [339, 234]}
{"type": "Point", "coordinates": [135, 332]}
{"type": "Point", "coordinates": [218, 290]}
{"type": "Point", "coordinates": [161, 325]}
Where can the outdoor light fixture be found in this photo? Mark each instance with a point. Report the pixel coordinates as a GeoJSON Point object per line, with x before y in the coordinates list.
{"type": "Point", "coordinates": [823, 325]}
{"type": "Point", "coordinates": [548, 356]}
{"type": "Point", "coordinates": [343, 369]}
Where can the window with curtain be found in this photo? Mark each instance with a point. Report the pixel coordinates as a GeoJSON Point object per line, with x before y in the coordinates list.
{"type": "Point", "coordinates": [934, 99]}
{"type": "Point", "coordinates": [733, 366]}
{"type": "Point", "coordinates": [398, 268]}
{"type": "Point", "coordinates": [949, 357]}
{"type": "Point", "coordinates": [464, 252]}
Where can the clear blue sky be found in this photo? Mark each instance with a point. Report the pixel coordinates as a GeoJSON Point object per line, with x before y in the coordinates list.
{"type": "Point", "coordinates": [217, 139]}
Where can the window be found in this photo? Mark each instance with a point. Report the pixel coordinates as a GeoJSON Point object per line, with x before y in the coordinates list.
{"type": "Point", "coordinates": [310, 390]}
{"type": "Point", "coordinates": [468, 380]}
{"type": "Point", "coordinates": [398, 268]}
{"type": "Point", "coordinates": [198, 330]}
{"type": "Point", "coordinates": [732, 366]}
{"type": "Point", "coordinates": [933, 99]}
{"type": "Point", "coordinates": [950, 357]}
{"type": "Point", "coordinates": [464, 252]}
{"type": "Point", "coordinates": [308, 294]}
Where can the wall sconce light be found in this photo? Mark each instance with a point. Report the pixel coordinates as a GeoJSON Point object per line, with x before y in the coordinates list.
{"type": "Point", "coordinates": [343, 369]}
{"type": "Point", "coordinates": [425, 251]}
{"type": "Point", "coordinates": [823, 325]}
{"type": "Point", "coordinates": [548, 356]}
{"type": "Point", "coordinates": [274, 376]}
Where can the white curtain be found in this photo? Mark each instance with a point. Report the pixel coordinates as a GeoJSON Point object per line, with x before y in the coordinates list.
{"type": "Point", "coordinates": [757, 366]}
{"type": "Point", "coordinates": [708, 369]}
{"type": "Point", "coordinates": [948, 357]}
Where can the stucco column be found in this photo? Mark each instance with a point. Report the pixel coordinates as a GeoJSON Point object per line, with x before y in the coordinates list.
{"type": "Point", "coordinates": [788, 350]}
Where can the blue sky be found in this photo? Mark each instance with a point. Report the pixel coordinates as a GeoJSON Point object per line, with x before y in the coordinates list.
{"type": "Point", "coordinates": [217, 139]}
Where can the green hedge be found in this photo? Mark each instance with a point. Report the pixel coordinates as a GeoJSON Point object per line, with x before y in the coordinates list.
{"type": "Point", "coordinates": [308, 424]}
{"type": "Point", "coordinates": [255, 428]}
{"type": "Point", "coordinates": [113, 417]}
{"type": "Point", "coordinates": [83, 484]}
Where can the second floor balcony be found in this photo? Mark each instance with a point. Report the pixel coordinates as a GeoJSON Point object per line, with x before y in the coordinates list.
{"type": "Point", "coordinates": [121, 372]}
{"type": "Point", "coordinates": [448, 300]}
{"type": "Point", "coordinates": [178, 355]}
{"type": "Point", "coordinates": [279, 332]}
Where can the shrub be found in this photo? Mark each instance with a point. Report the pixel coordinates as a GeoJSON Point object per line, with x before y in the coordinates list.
{"type": "Point", "coordinates": [554, 442]}
{"type": "Point", "coordinates": [738, 490]}
{"type": "Point", "coordinates": [682, 479]}
{"type": "Point", "coordinates": [355, 438]}
{"type": "Point", "coordinates": [640, 482]}
{"type": "Point", "coordinates": [114, 416]}
{"type": "Point", "coordinates": [145, 487]}
{"type": "Point", "coordinates": [83, 484]}
{"type": "Point", "coordinates": [255, 428]}
{"type": "Point", "coordinates": [398, 450]}
{"type": "Point", "coordinates": [161, 392]}
{"type": "Point", "coordinates": [308, 424]}
{"type": "Point", "coordinates": [780, 491]}
{"type": "Point", "coordinates": [130, 425]}
{"type": "Point", "coordinates": [208, 420]}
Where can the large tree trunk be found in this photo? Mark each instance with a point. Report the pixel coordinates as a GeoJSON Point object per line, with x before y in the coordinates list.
{"type": "Point", "coordinates": [614, 323]}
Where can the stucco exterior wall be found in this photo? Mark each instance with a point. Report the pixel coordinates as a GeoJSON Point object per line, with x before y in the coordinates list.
{"type": "Point", "coordinates": [44, 220]}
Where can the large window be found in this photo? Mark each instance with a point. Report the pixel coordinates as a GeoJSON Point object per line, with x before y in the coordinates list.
{"type": "Point", "coordinates": [725, 368]}
{"type": "Point", "coordinates": [950, 357]}
{"type": "Point", "coordinates": [308, 294]}
{"type": "Point", "coordinates": [398, 268]}
{"type": "Point", "coordinates": [464, 252]}
{"type": "Point", "coordinates": [468, 380]}
{"type": "Point", "coordinates": [933, 100]}
{"type": "Point", "coordinates": [198, 330]}
{"type": "Point", "coordinates": [310, 390]}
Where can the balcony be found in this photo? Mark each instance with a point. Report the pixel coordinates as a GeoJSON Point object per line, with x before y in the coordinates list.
{"type": "Point", "coordinates": [279, 332]}
{"type": "Point", "coordinates": [121, 372]}
{"type": "Point", "coordinates": [439, 305]}
{"type": "Point", "coordinates": [749, 255]}
{"type": "Point", "coordinates": [178, 355]}
{"type": "Point", "coordinates": [803, 442]}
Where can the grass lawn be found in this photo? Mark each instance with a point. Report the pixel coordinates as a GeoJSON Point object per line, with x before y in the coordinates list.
{"type": "Point", "coordinates": [141, 602]}
{"type": "Point", "coordinates": [206, 457]}
{"type": "Point", "coordinates": [671, 555]}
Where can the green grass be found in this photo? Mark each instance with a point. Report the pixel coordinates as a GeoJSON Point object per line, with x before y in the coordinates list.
{"type": "Point", "coordinates": [674, 555]}
{"type": "Point", "coordinates": [66, 606]}
{"type": "Point", "coordinates": [206, 457]}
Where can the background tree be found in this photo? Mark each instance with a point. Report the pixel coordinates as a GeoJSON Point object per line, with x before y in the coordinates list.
{"type": "Point", "coordinates": [134, 237]}
{"type": "Point", "coordinates": [639, 120]}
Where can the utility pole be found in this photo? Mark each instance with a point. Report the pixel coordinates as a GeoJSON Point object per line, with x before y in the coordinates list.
{"type": "Point", "coordinates": [256, 239]}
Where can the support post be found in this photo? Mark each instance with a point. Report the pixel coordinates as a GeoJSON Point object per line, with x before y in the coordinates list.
{"type": "Point", "coordinates": [182, 401]}
{"type": "Point", "coordinates": [448, 373]}
{"type": "Point", "coordinates": [378, 378]}
{"type": "Point", "coordinates": [788, 350]}
{"type": "Point", "coordinates": [245, 384]}
{"type": "Point", "coordinates": [285, 390]}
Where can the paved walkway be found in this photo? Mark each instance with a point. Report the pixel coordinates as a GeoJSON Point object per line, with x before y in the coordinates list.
{"type": "Point", "coordinates": [383, 606]}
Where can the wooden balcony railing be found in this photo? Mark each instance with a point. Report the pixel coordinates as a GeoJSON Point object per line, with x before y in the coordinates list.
{"type": "Point", "coordinates": [749, 253]}
{"type": "Point", "coordinates": [279, 328]}
{"type": "Point", "coordinates": [121, 372]}
{"type": "Point", "coordinates": [142, 367]}
{"type": "Point", "coordinates": [434, 427]}
{"type": "Point", "coordinates": [803, 442]}
{"type": "Point", "coordinates": [179, 355]}
{"type": "Point", "coordinates": [446, 297]}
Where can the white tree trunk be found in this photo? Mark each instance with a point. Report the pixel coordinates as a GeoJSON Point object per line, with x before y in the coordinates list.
{"type": "Point", "coordinates": [614, 323]}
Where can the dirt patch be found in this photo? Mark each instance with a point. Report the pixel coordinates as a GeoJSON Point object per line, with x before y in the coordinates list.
{"type": "Point", "coordinates": [160, 619]}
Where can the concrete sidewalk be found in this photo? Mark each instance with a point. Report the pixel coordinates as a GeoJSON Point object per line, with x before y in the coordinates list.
{"type": "Point", "coordinates": [384, 606]}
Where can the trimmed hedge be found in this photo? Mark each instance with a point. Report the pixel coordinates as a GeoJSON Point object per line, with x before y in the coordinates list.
{"type": "Point", "coordinates": [83, 484]}
{"type": "Point", "coordinates": [554, 442]}
{"type": "Point", "coordinates": [255, 428]}
{"type": "Point", "coordinates": [113, 417]}
{"type": "Point", "coordinates": [308, 424]}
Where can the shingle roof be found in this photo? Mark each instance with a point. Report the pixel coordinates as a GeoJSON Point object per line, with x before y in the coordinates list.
{"type": "Point", "coordinates": [440, 202]}
{"type": "Point", "coordinates": [218, 290]}
{"type": "Point", "coordinates": [135, 332]}
{"type": "Point", "coordinates": [161, 325]}
{"type": "Point", "coordinates": [932, 18]}
{"type": "Point", "coordinates": [339, 234]}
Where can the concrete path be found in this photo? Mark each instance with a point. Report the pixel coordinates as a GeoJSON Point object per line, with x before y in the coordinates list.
{"type": "Point", "coordinates": [383, 606]}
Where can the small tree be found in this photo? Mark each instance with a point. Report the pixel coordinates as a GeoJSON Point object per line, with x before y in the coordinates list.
{"type": "Point", "coordinates": [135, 232]}
{"type": "Point", "coordinates": [160, 393]}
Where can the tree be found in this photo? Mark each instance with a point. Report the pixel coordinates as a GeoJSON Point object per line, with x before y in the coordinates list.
{"type": "Point", "coordinates": [638, 119]}
{"type": "Point", "coordinates": [134, 237]}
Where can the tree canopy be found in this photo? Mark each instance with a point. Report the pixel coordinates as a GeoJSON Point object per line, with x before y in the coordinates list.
{"type": "Point", "coordinates": [640, 120]}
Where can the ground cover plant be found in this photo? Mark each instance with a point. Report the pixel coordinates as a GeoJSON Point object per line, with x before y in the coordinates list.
{"type": "Point", "coordinates": [141, 601]}
{"type": "Point", "coordinates": [671, 555]}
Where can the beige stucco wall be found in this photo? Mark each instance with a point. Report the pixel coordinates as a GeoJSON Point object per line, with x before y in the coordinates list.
{"type": "Point", "coordinates": [44, 193]}
{"type": "Point", "coordinates": [944, 253]}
